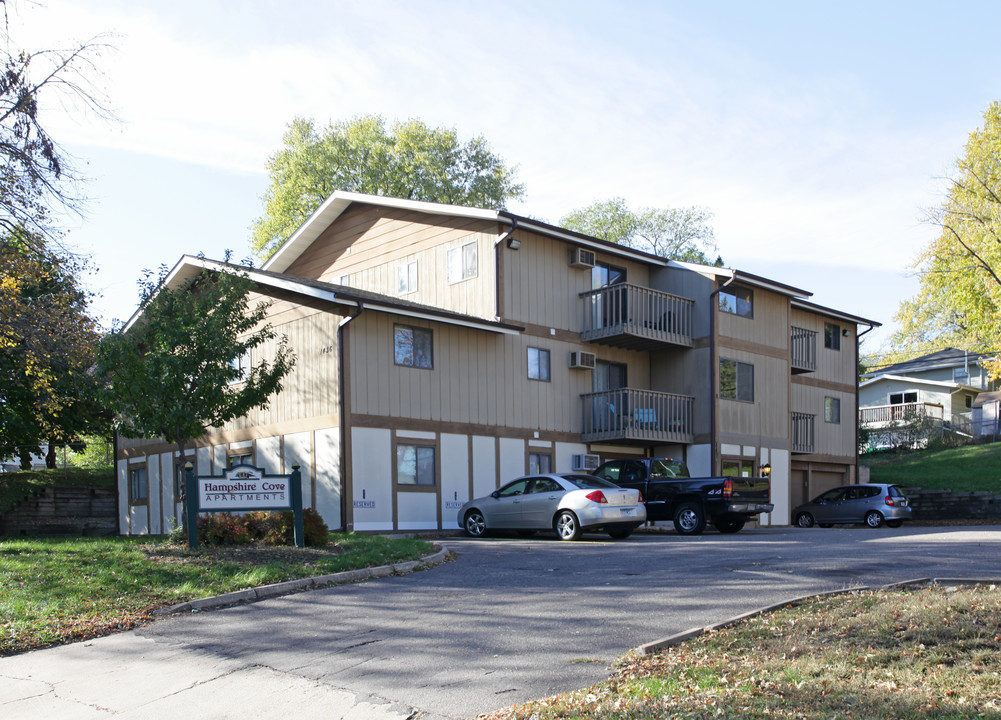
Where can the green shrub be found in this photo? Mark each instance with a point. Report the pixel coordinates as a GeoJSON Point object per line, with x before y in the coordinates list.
{"type": "Point", "coordinates": [270, 528]}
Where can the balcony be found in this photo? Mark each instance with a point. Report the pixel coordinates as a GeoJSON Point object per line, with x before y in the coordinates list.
{"type": "Point", "coordinates": [804, 350]}
{"type": "Point", "coordinates": [641, 416]}
{"type": "Point", "coordinates": [637, 318]}
{"type": "Point", "coordinates": [802, 432]}
{"type": "Point", "coordinates": [881, 416]}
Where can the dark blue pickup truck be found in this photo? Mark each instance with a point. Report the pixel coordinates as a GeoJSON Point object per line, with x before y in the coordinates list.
{"type": "Point", "coordinates": [672, 494]}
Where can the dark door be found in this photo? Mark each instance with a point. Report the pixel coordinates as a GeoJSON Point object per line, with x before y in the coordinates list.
{"type": "Point", "coordinates": [610, 407]}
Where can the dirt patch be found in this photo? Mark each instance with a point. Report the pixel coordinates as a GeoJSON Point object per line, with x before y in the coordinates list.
{"type": "Point", "coordinates": [251, 554]}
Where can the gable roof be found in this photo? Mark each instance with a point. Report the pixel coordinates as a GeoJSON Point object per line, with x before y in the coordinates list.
{"type": "Point", "coordinates": [949, 357]}
{"type": "Point", "coordinates": [189, 267]}
{"type": "Point", "coordinates": [335, 205]}
{"type": "Point", "coordinates": [943, 384]}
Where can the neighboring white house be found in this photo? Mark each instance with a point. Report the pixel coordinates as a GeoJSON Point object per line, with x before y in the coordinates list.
{"type": "Point", "coordinates": [942, 387]}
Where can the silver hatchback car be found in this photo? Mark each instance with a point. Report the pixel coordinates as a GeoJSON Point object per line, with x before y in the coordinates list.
{"type": "Point", "coordinates": [871, 504]}
{"type": "Point", "coordinates": [567, 503]}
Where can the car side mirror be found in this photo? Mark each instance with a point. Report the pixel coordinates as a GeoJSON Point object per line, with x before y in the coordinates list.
{"type": "Point", "coordinates": [495, 494]}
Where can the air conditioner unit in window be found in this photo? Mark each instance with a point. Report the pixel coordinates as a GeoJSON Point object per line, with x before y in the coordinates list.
{"type": "Point", "coordinates": [581, 258]}
{"type": "Point", "coordinates": [584, 360]}
{"type": "Point", "coordinates": [585, 462]}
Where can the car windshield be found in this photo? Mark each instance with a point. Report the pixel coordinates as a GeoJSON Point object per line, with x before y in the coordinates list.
{"type": "Point", "coordinates": [585, 482]}
{"type": "Point", "coordinates": [667, 469]}
{"type": "Point", "coordinates": [832, 495]}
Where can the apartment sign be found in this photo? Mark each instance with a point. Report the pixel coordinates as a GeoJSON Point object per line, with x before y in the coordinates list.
{"type": "Point", "coordinates": [244, 488]}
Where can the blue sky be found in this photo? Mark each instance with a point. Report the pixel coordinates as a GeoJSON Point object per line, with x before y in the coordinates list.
{"type": "Point", "coordinates": [817, 133]}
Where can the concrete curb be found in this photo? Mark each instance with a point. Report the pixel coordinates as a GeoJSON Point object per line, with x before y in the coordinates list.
{"type": "Point", "coordinates": [673, 640]}
{"type": "Point", "coordinates": [291, 586]}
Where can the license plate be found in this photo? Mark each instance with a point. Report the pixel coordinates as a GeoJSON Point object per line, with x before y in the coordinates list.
{"type": "Point", "coordinates": [628, 512]}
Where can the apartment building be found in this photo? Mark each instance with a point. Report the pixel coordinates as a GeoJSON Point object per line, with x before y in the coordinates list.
{"type": "Point", "coordinates": [444, 350]}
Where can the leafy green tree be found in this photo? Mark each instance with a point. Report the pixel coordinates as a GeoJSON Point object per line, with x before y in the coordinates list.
{"type": "Point", "coordinates": [47, 344]}
{"type": "Point", "coordinates": [180, 368]}
{"type": "Point", "coordinates": [407, 160]}
{"type": "Point", "coordinates": [675, 233]}
{"type": "Point", "coordinates": [959, 295]}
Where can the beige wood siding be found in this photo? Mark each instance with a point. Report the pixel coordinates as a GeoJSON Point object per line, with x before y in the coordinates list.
{"type": "Point", "coordinates": [832, 365]}
{"type": "Point", "coordinates": [768, 416]}
{"type": "Point", "coordinates": [541, 288]}
{"type": "Point", "coordinates": [369, 245]}
{"type": "Point", "coordinates": [478, 378]}
{"type": "Point", "coordinates": [768, 326]}
{"type": "Point", "coordinates": [829, 438]}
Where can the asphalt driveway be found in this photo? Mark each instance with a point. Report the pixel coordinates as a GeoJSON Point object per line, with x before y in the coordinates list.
{"type": "Point", "coordinates": [507, 621]}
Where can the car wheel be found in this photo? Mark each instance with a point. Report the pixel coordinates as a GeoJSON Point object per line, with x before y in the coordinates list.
{"type": "Point", "coordinates": [689, 519]}
{"type": "Point", "coordinates": [805, 520]}
{"type": "Point", "coordinates": [729, 525]}
{"type": "Point", "coordinates": [620, 533]}
{"type": "Point", "coordinates": [475, 524]}
{"type": "Point", "coordinates": [567, 526]}
{"type": "Point", "coordinates": [894, 523]}
{"type": "Point", "coordinates": [873, 519]}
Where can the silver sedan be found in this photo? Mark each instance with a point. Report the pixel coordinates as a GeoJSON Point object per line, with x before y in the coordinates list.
{"type": "Point", "coordinates": [567, 503]}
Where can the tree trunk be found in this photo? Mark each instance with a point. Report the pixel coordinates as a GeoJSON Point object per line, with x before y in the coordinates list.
{"type": "Point", "coordinates": [50, 456]}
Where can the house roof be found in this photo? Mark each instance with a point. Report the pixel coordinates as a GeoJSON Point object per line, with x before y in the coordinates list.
{"type": "Point", "coordinates": [944, 384]}
{"type": "Point", "coordinates": [335, 205]}
{"type": "Point", "coordinates": [835, 314]}
{"type": "Point", "coordinates": [986, 398]}
{"type": "Point", "coordinates": [949, 357]}
{"type": "Point", "coordinates": [189, 266]}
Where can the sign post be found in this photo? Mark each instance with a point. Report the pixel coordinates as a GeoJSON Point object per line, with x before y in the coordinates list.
{"type": "Point", "coordinates": [241, 488]}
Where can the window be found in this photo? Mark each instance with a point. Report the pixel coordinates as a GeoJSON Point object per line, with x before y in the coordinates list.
{"type": "Point", "coordinates": [538, 364]}
{"type": "Point", "coordinates": [241, 364]}
{"type": "Point", "coordinates": [738, 468]}
{"type": "Point", "coordinates": [244, 459]}
{"type": "Point", "coordinates": [415, 465]}
{"type": "Point", "coordinates": [736, 380]}
{"type": "Point", "coordinates": [138, 485]}
{"type": "Point", "coordinates": [832, 336]}
{"type": "Point", "coordinates": [462, 263]}
{"type": "Point", "coordinates": [904, 398]}
{"type": "Point", "coordinates": [406, 280]}
{"type": "Point", "coordinates": [540, 464]}
{"type": "Point", "coordinates": [832, 410]}
{"type": "Point", "coordinates": [737, 300]}
{"type": "Point", "coordinates": [413, 347]}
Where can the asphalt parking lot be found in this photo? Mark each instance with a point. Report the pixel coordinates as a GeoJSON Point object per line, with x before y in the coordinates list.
{"type": "Point", "coordinates": [508, 620]}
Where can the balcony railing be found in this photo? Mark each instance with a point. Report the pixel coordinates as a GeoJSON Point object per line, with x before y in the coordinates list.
{"type": "Point", "coordinates": [883, 415]}
{"type": "Point", "coordinates": [638, 415]}
{"type": "Point", "coordinates": [636, 317]}
{"type": "Point", "coordinates": [804, 350]}
{"type": "Point", "coordinates": [802, 432]}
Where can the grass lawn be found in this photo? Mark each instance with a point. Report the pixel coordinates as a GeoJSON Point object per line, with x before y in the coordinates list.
{"type": "Point", "coordinates": [928, 653]}
{"type": "Point", "coordinates": [59, 590]}
{"type": "Point", "coordinates": [962, 469]}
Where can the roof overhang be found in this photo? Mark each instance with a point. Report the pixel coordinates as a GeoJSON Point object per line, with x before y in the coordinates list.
{"type": "Point", "coordinates": [835, 314]}
{"type": "Point", "coordinates": [950, 386]}
{"type": "Point", "coordinates": [189, 267]}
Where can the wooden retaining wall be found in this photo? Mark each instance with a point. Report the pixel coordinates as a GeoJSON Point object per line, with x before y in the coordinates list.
{"type": "Point", "coordinates": [74, 510]}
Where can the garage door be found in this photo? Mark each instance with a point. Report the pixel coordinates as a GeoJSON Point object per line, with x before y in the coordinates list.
{"type": "Point", "coordinates": [822, 480]}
